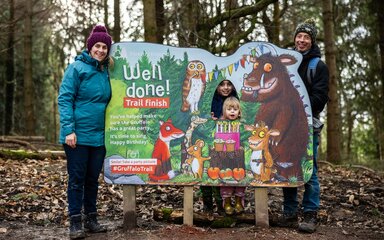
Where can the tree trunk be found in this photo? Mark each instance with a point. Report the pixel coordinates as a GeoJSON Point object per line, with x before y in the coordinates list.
{"type": "Point", "coordinates": [29, 93]}
{"type": "Point", "coordinates": [160, 21]}
{"type": "Point", "coordinates": [10, 72]}
{"type": "Point", "coordinates": [188, 14]}
{"type": "Point", "coordinates": [333, 111]}
{"type": "Point", "coordinates": [379, 6]}
{"type": "Point", "coordinates": [232, 28]}
{"type": "Point", "coordinates": [150, 32]}
{"type": "Point", "coordinates": [116, 26]}
{"type": "Point", "coordinates": [106, 14]}
{"type": "Point", "coordinates": [272, 27]}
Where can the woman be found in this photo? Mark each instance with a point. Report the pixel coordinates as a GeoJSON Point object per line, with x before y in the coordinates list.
{"type": "Point", "coordinates": [83, 97]}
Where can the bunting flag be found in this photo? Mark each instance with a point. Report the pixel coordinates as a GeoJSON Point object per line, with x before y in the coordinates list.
{"type": "Point", "coordinates": [253, 52]}
{"type": "Point", "coordinates": [246, 58]}
{"type": "Point", "coordinates": [216, 74]}
{"type": "Point", "coordinates": [223, 72]}
{"type": "Point", "coordinates": [236, 65]}
{"type": "Point", "coordinates": [210, 75]}
{"type": "Point", "coordinates": [230, 69]}
{"type": "Point", "coordinates": [242, 62]}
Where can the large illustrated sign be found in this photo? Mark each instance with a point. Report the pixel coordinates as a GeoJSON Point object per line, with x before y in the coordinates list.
{"type": "Point", "coordinates": [159, 128]}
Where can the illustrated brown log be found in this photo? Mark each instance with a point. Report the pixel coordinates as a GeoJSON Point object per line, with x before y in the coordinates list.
{"type": "Point", "coordinates": [224, 160]}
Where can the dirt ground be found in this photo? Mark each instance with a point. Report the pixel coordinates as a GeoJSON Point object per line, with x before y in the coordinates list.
{"type": "Point", "coordinates": [33, 206]}
{"type": "Point", "coordinates": [172, 231]}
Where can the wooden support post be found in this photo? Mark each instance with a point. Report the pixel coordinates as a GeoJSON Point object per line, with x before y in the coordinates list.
{"type": "Point", "coordinates": [188, 205]}
{"type": "Point", "coordinates": [261, 207]}
{"type": "Point", "coordinates": [129, 207]}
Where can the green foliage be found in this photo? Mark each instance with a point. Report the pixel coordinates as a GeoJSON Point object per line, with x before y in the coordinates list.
{"type": "Point", "coordinates": [293, 179]}
{"type": "Point", "coordinates": [224, 222]}
{"type": "Point", "coordinates": [307, 167]}
{"type": "Point", "coordinates": [166, 212]}
{"type": "Point", "coordinates": [360, 81]}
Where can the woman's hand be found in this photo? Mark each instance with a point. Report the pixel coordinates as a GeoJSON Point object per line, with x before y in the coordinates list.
{"type": "Point", "coordinates": [71, 140]}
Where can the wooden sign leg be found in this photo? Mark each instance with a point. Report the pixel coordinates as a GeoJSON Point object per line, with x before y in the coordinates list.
{"type": "Point", "coordinates": [129, 207]}
{"type": "Point", "coordinates": [261, 207]}
{"type": "Point", "coordinates": [188, 205]}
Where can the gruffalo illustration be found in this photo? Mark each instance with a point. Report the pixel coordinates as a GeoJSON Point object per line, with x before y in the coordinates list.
{"type": "Point", "coordinates": [269, 83]}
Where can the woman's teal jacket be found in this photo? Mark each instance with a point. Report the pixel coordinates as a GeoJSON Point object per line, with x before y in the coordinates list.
{"type": "Point", "coordinates": [83, 97]}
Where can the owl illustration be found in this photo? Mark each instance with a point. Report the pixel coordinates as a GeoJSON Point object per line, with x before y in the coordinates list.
{"type": "Point", "coordinates": [193, 86]}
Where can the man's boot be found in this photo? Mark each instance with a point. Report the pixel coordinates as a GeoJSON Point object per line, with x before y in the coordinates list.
{"type": "Point", "coordinates": [309, 222]}
{"type": "Point", "coordinates": [91, 224]}
{"type": "Point", "coordinates": [76, 230]}
{"type": "Point", "coordinates": [228, 206]}
{"type": "Point", "coordinates": [239, 205]}
{"type": "Point", "coordinates": [289, 220]}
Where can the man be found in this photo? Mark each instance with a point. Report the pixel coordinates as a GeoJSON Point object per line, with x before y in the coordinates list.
{"type": "Point", "coordinates": [317, 87]}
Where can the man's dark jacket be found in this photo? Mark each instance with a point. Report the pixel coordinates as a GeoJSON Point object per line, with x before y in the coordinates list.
{"type": "Point", "coordinates": [318, 89]}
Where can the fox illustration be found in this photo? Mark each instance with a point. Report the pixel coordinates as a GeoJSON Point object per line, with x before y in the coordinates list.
{"type": "Point", "coordinates": [167, 132]}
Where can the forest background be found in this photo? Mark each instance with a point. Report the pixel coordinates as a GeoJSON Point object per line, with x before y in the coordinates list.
{"type": "Point", "coordinates": [39, 38]}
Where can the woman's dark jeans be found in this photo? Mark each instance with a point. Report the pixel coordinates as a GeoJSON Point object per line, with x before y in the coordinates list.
{"type": "Point", "coordinates": [84, 164]}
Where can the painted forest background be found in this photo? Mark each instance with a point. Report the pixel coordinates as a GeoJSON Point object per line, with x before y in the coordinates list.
{"type": "Point", "coordinates": [39, 38]}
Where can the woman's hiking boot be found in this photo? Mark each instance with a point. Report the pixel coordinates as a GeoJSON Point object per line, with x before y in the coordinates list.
{"type": "Point", "coordinates": [76, 230]}
{"type": "Point", "coordinates": [92, 225]}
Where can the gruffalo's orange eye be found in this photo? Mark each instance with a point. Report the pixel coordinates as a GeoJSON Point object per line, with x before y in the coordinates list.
{"type": "Point", "coordinates": [255, 65]}
{"type": "Point", "coordinates": [267, 67]}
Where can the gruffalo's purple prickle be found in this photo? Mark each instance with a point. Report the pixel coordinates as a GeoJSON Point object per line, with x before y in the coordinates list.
{"type": "Point", "coordinates": [269, 83]}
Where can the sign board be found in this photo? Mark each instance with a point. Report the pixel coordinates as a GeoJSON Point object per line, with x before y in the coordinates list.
{"type": "Point", "coordinates": [159, 128]}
